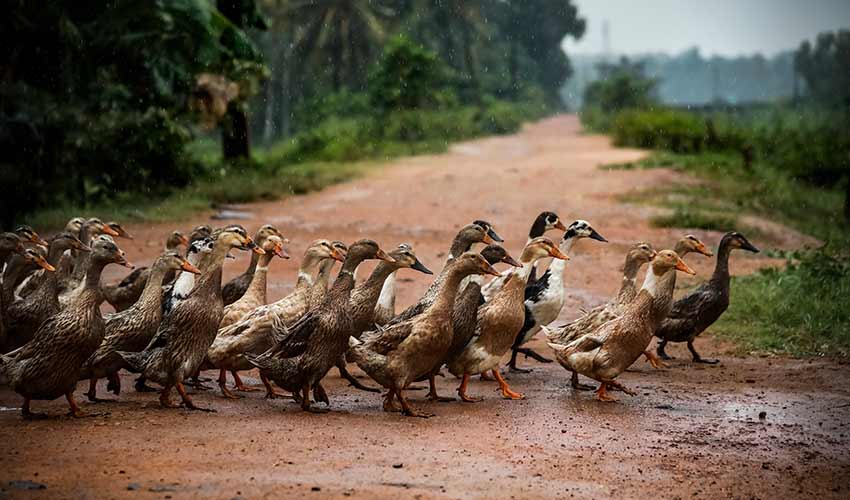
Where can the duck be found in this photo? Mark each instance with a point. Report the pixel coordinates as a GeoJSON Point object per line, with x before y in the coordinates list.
{"type": "Point", "coordinates": [89, 230]}
{"type": "Point", "coordinates": [464, 314]}
{"type": "Point", "coordinates": [605, 353]}
{"type": "Point", "coordinates": [313, 345]}
{"type": "Point", "coordinates": [365, 295]}
{"type": "Point", "coordinates": [25, 316]}
{"type": "Point", "coordinates": [477, 232]}
{"type": "Point", "coordinates": [544, 222]}
{"type": "Point", "coordinates": [123, 294]}
{"type": "Point", "coordinates": [397, 355]}
{"type": "Point", "coordinates": [236, 288]}
{"type": "Point", "coordinates": [120, 231]}
{"type": "Point", "coordinates": [133, 328]}
{"type": "Point", "coordinates": [10, 244]}
{"type": "Point", "coordinates": [19, 266]}
{"type": "Point", "coordinates": [693, 314]}
{"type": "Point", "coordinates": [48, 366]}
{"type": "Point", "coordinates": [498, 320]}
{"type": "Point", "coordinates": [544, 297]}
{"type": "Point", "coordinates": [180, 344]}
{"type": "Point", "coordinates": [253, 298]}
{"type": "Point", "coordinates": [185, 282]}
{"type": "Point", "coordinates": [253, 332]}
{"type": "Point", "coordinates": [200, 232]}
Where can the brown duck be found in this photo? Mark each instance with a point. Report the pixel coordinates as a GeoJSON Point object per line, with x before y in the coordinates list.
{"type": "Point", "coordinates": [236, 288]}
{"type": "Point", "coordinates": [607, 352]}
{"type": "Point", "coordinates": [132, 329]}
{"type": "Point", "coordinates": [49, 365]}
{"type": "Point", "coordinates": [180, 345]}
{"type": "Point", "coordinates": [397, 355]}
{"type": "Point", "coordinates": [314, 344]}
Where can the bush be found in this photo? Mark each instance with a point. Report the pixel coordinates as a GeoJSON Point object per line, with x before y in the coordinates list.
{"type": "Point", "coordinates": [660, 129]}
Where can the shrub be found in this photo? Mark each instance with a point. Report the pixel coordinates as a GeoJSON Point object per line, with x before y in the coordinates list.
{"type": "Point", "coordinates": [660, 129]}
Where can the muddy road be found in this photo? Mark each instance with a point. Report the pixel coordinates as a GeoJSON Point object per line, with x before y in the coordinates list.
{"type": "Point", "coordinates": [750, 427]}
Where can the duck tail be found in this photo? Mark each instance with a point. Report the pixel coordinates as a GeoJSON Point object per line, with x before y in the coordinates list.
{"type": "Point", "coordinates": [134, 361]}
{"type": "Point", "coordinates": [262, 361]}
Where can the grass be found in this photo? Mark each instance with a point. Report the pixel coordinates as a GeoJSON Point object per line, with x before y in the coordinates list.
{"type": "Point", "coordinates": [799, 309]}
{"type": "Point", "coordinates": [227, 186]}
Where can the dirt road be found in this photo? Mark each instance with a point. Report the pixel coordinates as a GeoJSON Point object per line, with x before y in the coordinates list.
{"type": "Point", "coordinates": [749, 427]}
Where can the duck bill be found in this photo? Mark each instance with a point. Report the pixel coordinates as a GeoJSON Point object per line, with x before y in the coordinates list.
{"type": "Point", "coordinates": [249, 244]}
{"type": "Point", "coordinates": [80, 247]}
{"type": "Point", "coordinates": [184, 240]}
{"type": "Point", "coordinates": [560, 226]}
{"type": "Point", "coordinates": [701, 248]}
{"type": "Point", "coordinates": [507, 259]}
{"type": "Point", "coordinates": [122, 261]}
{"type": "Point", "coordinates": [42, 263]}
{"type": "Point", "coordinates": [38, 240]}
{"type": "Point", "coordinates": [384, 256]}
{"type": "Point", "coordinates": [681, 266]}
{"type": "Point", "coordinates": [337, 255]}
{"type": "Point", "coordinates": [749, 247]}
{"type": "Point", "coordinates": [490, 270]}
{"type": "Point", "coordinates": [421, 267]}
{"type": "Point", "coordinates": [494, 236]}
{"type": "Point", "coordinates": [488, 240]}
{"type": "Point", "coordinates": [188, 267]}
{"type": "Point", "coordinates": [111, 232]}
{"type": "Point", "coordinates": [558, 254]}
{"type": "Point", "coordinates": [596, 236]}
{"type": "Point", "coordinates": [280, 252]}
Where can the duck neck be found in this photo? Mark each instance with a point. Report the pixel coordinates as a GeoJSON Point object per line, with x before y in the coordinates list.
{"type": "Point", "coordinates": [387, 297]}
{"type": "Point", "coordinates": [538, 228]}
{"type": "Point", "coordinates": [627, 288]}
{"type": "Point", "coordinates": [323, 276]}
{"type": "Point", "coordinates": [721, 267]}
{"type": "Point", "coordinates": [91, 293]}
{"type": "Point", "coordinates": [557, 267]}
{"type": "Point", "coordinates": [257, 288]}
{"type": "Point", "coordinates": [305, 272]}
{"type": "Point", "coordinates": [365, 296]}
{"type": "Point", "coordinates": [210, 278]}
{"type": "Point", "coordinates": [152, 293]}
{"type": "Point", "coordinates": [10, 277]}
{"type": "Point", "coordinates": [459, 246]}
{"type": "Point", "coordinates": [447, 293]}
{"type": "Point", "coordinates": [252, 265]}
{"type": "Point", "coordinates": [660, 287]}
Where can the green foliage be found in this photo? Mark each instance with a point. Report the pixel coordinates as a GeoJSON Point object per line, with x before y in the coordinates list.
{"type": "Point", "coordinates": [407, 76]}
{"type": "Point", "coordinates": [824, 67]}
{"type": "Point", "coordinates": [622, 86]}
{"type": "Point", "coordinates": [691, 218]}
{"type": "Point", "coordinates": [104, 111]}
{"type": "Point", "coordinates": [800, 309]}
{"type": "Point", "coordinates": [659, 129]}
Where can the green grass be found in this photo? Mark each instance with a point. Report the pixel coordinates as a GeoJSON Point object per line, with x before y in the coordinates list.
{"type": "Point", "coordinates": [799, 309]}
{"type": "Point", "coordinates": [254, 183]}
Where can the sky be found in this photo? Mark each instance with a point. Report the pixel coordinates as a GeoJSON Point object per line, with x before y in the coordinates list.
{"type": "Point", "coordinates": [717, 27]}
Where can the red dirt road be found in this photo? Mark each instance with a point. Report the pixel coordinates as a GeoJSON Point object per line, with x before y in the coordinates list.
{"type": "Point", "coordinates": [750, 427]}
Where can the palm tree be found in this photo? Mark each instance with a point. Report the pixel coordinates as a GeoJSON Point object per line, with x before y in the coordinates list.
{"type": "Point", "coordinates": [343, 35]}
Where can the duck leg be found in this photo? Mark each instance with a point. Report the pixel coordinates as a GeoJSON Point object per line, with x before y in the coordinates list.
{"type": "Point", "coordinates": [344, 373]}
{"type": "Point", "coordinates": [654, 360]}
{"type": "Point", "coordinates": [222, 384]}
{"type": "Point", "coordinates": [529, 353]}
{"type": "Point", "coordinates": [114, 384]}
{"type": "Point", "coordinates": [187, 401]}
{"type": "Point", "coordinates": [461, 391]}
{"type": "Point", "coordinates": [409, 411]}
{"type": "Point", "coordinates": [578, 386]}
{"type": "Point", "coordinates": [140, 385]}
{"type": "Point", "coordinates": [165, 398]}
{"type": "Point", "coordinates": [506, 389]}
{"type": "Point", "coordinates": [239, 385]}
{"type": "Point", "coordinates": [270, 392]}
{"type": "Point", "coordinates": [512, 364]}
{"type": "Point", "coordinates": [602, 394]}
{"type": "Point", "coordinates": [305, 401]}
{"type": "Point", "coordinates": [621, 387]}
{"type": "Point", "coordinates": [75, 410]}
{"type": "Point", "coordinates": [319, 394]}
{"type": "Point", "coordinates": [389, 402]}
{"type": "Point", "coordinates": [697, 357]}
{"type": "Point", "coordinates": [659, 349]}
{"type": "Point", "coordinates": [92, 392]}
{"type": "Point", "coordinates": [432, 391]}
{"type": "Point", "coordinates": [28, 414]}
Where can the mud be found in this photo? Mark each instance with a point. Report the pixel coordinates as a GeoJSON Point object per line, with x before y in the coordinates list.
{"type": "Point", "coordinates": [750, 427]}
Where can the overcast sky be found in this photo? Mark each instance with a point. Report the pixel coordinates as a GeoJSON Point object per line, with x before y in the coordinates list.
{"type": "Point", "coordinates": [724, 27]}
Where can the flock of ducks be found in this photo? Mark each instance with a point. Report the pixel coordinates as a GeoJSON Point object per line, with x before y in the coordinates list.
{"type": "Point", "coordinates": [174, 319]}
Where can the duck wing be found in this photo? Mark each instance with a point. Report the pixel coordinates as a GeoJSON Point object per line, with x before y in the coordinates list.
{"type": "Point", "coordinates": [293, 341]}
{"type": "Point", "coordinates": [534, 289]}
{"type": "Point", "coordinates": [387, 339]}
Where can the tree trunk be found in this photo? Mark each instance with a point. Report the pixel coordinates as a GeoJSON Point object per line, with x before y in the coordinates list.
{"type": "Point", "coordinates": [337, 66]}
{"type": "Point", "coordinates": [235, 143]}
{"type": "Point", "coordinates": [469, 59]}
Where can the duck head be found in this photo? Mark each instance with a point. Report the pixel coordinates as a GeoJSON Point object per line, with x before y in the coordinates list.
{"type": "Point", "coordinates": [367, 249]}
{"type": "Point", "coordinates": [583, 229]}
{"type": "Point", "coordinates": [119, 230]}
{"type": "Point", "coordinates": [544, 222]}
{"type": "Point", "coordinates": [641, 253]}
{"type": "Point", "coordinates": [104, 249]}
{"type": "Point", "coordinates": [324, 249]}
{"type": "Point", "coordinates": [33, 256]}
{"type": "Point", "coordinates": [495, 253]}
{"type": "Point", "coordinates": [200, 232]}
{"type": "Point", "coordinates": [68, 241]}
{"type": "Point", "coordinates": [666, 260]}
{"type": "Point", "coordinates": [735, 239]}
{"type": "Point", "coordinates": [27, 233]}
{"type": "Point", "coordinates": [541, 247]}
{"type": "Point", "coordinates": [235, 236]}
{"type": "Point", "coordinates": [341, 250]}
{"type": "Point", "coordinates": [174, 261]}
{"type": "Point", "coordinates": [266, 231]}
{"type": "Point", "coordinates": [96, 226]}
{"type": "Point", "coordinates": [273, 244]}
{"type": "Point", "coordinates": [473, 263]}
{"type": "Point", "coordinates": [690, 243]}
{"type": "Point", "coordinates": [405, 257]}
{"type": "Point", "coordinates": [10, 242]}
{"type": "Point", "coordinates": [175, 240]}
{"type": "Point", "coordinates": [75, 225]}
{"type": "Point", "coordinates": [490, 231]}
